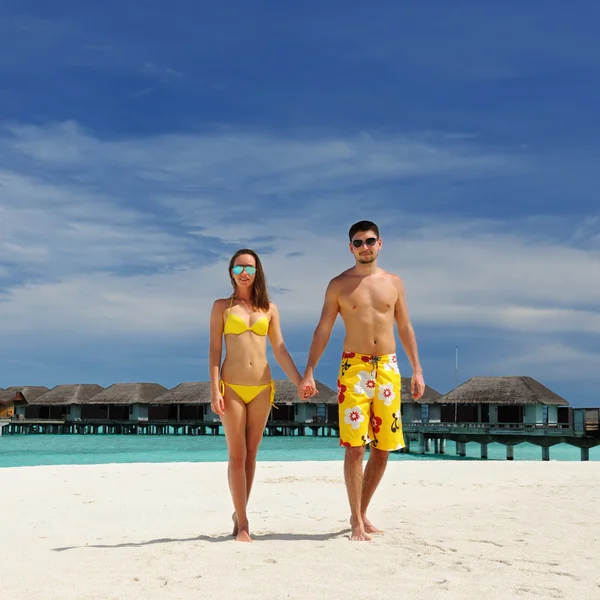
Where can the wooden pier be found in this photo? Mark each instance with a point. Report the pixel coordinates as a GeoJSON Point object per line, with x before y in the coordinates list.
{"type": "Point", "coordinates": [433, 437]}
{"type": "Point", "coordinates": [419, 437]}
{"type": "Point", "coordinates": [116, 427]}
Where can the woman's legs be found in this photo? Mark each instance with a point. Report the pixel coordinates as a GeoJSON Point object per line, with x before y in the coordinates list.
{"type": "Point", "coordinates": [244, 426]}
{"type": "Point", "coordinates": [257, 413]}
{"type": "Point", "coordinates": [234, 423]}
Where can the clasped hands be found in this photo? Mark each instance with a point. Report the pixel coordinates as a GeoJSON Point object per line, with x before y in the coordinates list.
{"type": "Point", "coordinates": [307, 388]}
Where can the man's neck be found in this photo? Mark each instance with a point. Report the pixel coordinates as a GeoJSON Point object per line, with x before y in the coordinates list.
{"type": "Point", "coordinates": [365, 269]}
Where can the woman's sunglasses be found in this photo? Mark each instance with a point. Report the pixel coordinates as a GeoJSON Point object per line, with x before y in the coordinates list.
{"type": "Point", "coordinates": [239, 268]}
{"type": "Point", "coordinates": [369, 242]}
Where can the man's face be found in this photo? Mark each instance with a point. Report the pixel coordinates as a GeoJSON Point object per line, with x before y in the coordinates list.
{"type": "Point", "coordinates": [365, 246]}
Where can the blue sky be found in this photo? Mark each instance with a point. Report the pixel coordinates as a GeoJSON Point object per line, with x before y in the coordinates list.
{"type": "Point", "coordinates": [139, 148]}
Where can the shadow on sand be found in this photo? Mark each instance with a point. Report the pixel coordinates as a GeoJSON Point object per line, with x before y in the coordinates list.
{"type": "Point", "coordinates": [263, 537]}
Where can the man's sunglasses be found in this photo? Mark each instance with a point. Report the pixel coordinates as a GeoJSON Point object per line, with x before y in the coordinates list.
{"type": "Point", "coordinates": [239, 268]}
{"type": "Point", "coordinates": [369, 242]}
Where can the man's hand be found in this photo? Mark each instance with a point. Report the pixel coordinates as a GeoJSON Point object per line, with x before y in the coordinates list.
{"type": "Point", "coordinates": [307, 388]}
{"type": "Point", "coordinates": [417, 385]}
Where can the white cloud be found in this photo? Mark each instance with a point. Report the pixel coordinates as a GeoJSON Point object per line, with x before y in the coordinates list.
{"type": "Point", "coordinates": [132, 236]}
{"type": "Point", "coordinates": [249, 161]}
{"type": "Point", "coordinates": [553, 360]}
{"type": "Point", "coordinates": [462, 289]}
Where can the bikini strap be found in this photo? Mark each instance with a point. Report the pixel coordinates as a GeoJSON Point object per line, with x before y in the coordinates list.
{"type": "Point", "coordinates": [231, 303]}
{"type": "Point", "coordinates": [273, 395]}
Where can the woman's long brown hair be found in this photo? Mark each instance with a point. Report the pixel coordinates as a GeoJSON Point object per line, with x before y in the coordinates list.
{"type": "Point", "coordinates": [260, 296]}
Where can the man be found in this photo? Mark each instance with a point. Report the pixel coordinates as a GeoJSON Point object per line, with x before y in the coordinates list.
{"type": "Point", "coordinates": [369, 300]}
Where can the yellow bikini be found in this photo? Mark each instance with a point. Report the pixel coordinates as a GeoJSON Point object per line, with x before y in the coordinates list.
{"type": "Point", "coordinates": [235, 325]}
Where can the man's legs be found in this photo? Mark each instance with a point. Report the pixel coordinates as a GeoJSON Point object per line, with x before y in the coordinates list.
{"type": "Point", "coordinates": [353, 475]}
{"type": "Point", "coordinates": [385, 430]}
{"type": "Point", "coordinates": [372, 477]}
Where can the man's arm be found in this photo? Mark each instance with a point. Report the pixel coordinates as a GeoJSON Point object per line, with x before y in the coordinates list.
{"type": "Point", "coordinates": [408, 339]}
{"type": "Point", "coordinates": [322, 333]}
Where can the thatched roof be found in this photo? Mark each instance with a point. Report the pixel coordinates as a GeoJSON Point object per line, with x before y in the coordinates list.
{"type": "Point", "coordinates": [195, 392]}
{"type": "Point", "coordinates": [287, 393]}
{"type": "Point", "coordinates": [501, 390]}
{"type": "Point", "coordinates": [68, 394]}
{"type": "Point", "coordinates": [30, 393]}
{"type": "Point", "coordinates": [128, 393]}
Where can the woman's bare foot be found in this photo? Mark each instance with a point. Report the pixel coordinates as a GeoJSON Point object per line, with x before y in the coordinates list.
{"type": "Point", "coordinates": [243, 536]}
{"type": "Point", "coordinates": [358, 533]}
{"type": "Point", "coordinates": [369, 527]}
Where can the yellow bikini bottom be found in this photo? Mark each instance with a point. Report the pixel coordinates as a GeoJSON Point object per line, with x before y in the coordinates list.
{"type": "Point", "coordinates": [248, 392]}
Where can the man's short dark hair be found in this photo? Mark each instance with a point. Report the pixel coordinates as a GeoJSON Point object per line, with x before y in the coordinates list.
{"type": "Point", "coordinates": [363, 226]}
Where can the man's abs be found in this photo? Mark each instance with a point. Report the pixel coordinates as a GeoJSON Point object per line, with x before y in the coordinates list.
{"type": "Point", "coordinates": [367, 337]}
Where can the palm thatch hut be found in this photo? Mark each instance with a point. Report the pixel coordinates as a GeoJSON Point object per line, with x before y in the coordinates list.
{"type": "Point", "coordinates": [415, 411]}
{"type": "Point", "coordinates": [7, 405]}
{"type": "Point", "coordinates": [13, 400]}
{"type": "Point", "coordinates": [503, 400]}
{"type": "Point", "coordinates": [185, 402]}
{"type": "Point", "coordinates": [62, 401]}
{"type": "Point", "coordinates": [322, 407]}
{"type": "Point", "coordinates": [122, 401]}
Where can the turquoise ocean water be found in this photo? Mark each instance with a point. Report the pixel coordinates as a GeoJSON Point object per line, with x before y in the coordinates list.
{"type": "Point", "coordinates": [31, 450]}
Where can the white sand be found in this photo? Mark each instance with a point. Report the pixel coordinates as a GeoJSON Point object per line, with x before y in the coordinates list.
{"type": "Point", "coordinates": [456, 530]}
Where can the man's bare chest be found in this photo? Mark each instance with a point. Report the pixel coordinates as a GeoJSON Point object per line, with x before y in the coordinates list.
{"type": "Point", "coordinates": [380, 298]}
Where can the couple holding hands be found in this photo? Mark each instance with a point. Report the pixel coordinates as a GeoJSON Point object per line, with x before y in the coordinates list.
{"type": "Point", "coordinates": [369, 300]}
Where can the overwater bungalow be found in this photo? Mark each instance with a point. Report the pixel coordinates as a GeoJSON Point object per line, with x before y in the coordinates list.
{"type": "Point", "coordinates": [14, 399]}
{"type": "Point", "coordinates": [413, 410]}
{"type": "Point", "coordinates": [504, 401]}
{"type": "Point", "coordinates": [124, 402]}
{"type": "Point", "coordinates": [187, 401]}
{"type": "Point", "coordinates": [63, 402]}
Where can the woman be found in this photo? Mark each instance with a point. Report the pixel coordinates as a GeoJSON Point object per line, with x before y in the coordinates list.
{"type": "Point", "coordinates": [242, 390]}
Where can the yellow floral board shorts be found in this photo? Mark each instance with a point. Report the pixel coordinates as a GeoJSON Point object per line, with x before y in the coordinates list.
{"type": "Point", "coordinates": [369, 401]}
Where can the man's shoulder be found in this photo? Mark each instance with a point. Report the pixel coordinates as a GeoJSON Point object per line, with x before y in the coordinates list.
{"type": "Point", "coordinates": [393, 279]}
{"type": "Point", "coordinates": [392, 276]}
{"type": "Point", "coordinates": [338, 281]}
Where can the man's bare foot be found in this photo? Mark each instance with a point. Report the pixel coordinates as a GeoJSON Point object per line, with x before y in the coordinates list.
{"type": "Point", "coordinates": [243, 536]}
{"type": "Point", "coordinates": [235, 525]}
{"type": "Point", "coordinates": [369, 527]}
{"type": "Point", "coordinates": [358, 533]}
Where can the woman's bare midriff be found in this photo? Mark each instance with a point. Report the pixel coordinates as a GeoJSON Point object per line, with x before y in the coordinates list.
{"type": "Point", "coordinates": [245, 360]}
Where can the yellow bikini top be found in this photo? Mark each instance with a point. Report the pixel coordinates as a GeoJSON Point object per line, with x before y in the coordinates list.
{"type": "Point", "coordinates": [236, 325]}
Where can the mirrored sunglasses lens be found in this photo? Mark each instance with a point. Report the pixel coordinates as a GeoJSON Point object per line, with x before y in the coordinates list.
{"type": "Point", "coordinates": [250, 270]}
{"type": "Point", "coordinates": [238, 270]}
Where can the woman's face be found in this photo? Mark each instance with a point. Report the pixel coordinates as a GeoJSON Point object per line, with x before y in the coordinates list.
{"type": "Point", "coordinates": [241, 265]}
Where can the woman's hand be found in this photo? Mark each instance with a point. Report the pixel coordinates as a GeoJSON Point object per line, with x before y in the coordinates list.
{"type": "Point", "coordinates": [217, 404]}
